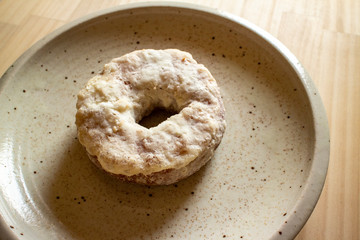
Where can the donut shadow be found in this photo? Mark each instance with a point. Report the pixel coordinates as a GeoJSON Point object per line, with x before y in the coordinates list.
{"type": "Point", "coordinates": [90, 204]}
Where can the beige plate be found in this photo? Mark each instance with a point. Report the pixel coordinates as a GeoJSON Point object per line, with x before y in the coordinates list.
{"type": "Point", "coordinates": [263, 182]}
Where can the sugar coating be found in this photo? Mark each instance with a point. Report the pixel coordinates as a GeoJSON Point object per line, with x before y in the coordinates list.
{"type": "Point", "coordinates": [129, 88]}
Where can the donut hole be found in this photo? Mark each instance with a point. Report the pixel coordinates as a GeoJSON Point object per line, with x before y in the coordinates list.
{"type": "Point", "coordinates": [157, 116]}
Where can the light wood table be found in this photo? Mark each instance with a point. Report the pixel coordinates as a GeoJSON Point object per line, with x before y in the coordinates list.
{"type": "Point", "coordinates": [323, 34]}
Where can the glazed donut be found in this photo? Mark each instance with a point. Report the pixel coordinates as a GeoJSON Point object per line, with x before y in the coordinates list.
{"type": "Point", "coordinates": [130, 87]}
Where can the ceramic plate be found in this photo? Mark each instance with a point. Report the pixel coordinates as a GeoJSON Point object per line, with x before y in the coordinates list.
{"type": "Point", "coordinates": [262, 183]}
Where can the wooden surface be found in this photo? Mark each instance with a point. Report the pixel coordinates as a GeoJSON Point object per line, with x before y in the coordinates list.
{"type": "Point", "coordinates": [323, 34]}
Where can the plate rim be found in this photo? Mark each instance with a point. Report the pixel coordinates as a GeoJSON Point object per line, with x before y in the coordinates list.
{"type": "Point", "coordinates": [314, 185]}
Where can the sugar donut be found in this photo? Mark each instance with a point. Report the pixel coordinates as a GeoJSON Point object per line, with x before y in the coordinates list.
{"type": "Point", "coordinates": [131, 87]}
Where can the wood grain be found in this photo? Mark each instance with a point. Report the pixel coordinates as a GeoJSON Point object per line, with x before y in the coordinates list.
{"type": "Point", "coordinates": [323, 34]}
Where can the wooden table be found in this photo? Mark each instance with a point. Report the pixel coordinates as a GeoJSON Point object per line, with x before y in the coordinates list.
{"type": "Point", "coordinates": [323, 34]}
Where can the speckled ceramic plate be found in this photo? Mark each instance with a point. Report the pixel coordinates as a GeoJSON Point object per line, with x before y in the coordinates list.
{"type": "Point", "coordinates": [262, 183]}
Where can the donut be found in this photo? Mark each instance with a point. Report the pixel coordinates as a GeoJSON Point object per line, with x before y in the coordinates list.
{"type": "Point", "coordinates": [129, 88]}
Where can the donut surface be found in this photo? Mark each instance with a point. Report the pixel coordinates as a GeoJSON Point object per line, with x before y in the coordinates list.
{"type": "Point", "coordinates": [131, 87]}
